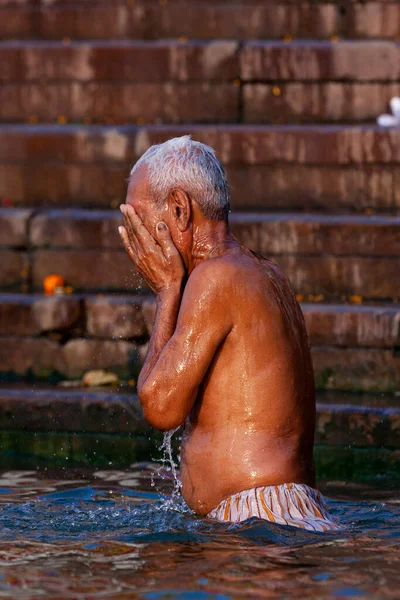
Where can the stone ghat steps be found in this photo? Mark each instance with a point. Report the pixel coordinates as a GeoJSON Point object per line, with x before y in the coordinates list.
{"type": "Point", "coordinates": [170, 81]}
{"type": "Point", "coordinates": [325, 255]}
{"type": "Point", "coordinates": [353, 346]}
{"type": "Point", "coordinates": [309, 167]}
{"type": "Point", "coordinates": [152, 19]}
{"type": "Point", "coordinates": [353, 420]}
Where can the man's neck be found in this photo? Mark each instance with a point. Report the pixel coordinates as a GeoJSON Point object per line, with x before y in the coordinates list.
{"type": "Point", "coordinates": [210, 239]}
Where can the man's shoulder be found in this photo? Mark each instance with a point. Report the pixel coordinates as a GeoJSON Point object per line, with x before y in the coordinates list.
{"type": "Point", "coordinates": [218, 270]}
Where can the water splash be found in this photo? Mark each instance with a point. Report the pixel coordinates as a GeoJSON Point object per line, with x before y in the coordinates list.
{"type": "Point", "coordinates": [168, 465]}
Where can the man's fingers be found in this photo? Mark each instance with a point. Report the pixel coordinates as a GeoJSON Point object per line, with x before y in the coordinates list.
{"type": "Point", "coordinates": [128, 227]}
{"type": "Point", "coordinates": [136, 224]}
{"type": "Point", "coordinates": [125, 240]}
{"type": "Point", "coordinates": [165, 240]}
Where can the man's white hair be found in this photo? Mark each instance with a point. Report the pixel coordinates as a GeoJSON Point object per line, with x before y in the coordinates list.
{"type": "Point", "coordinates": [191, 166]}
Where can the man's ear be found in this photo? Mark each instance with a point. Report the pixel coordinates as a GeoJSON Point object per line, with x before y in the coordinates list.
{"type": "Point", "coordinates": [180, 208]}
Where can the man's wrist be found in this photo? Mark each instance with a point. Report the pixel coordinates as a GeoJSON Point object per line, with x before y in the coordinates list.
{"type": "Point", "coordinates": [171, 292]}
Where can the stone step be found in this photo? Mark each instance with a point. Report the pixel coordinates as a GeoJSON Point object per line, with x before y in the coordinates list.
{"type": "Point", "coordinates": [305, 167]}
{"type": "Point", "coordinates": [169, 61]}
{"type": "Point", "coordinates": [195, 102]}
{"type": "Point", "coordinates": [130, 317]}
{"type": "Point", "coordinates": [366, 423]}
{"type": "Point", "coordinates": [196, 81]}
{"type": "Point", "coordinates": [328, 255]}
{"type": "Point", "coordinates": [354, 347]}
{"type": "Point", "coordinates": [146, 19]}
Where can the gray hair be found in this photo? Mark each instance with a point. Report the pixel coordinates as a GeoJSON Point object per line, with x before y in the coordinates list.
{"type": "Point", "coordinates": [191, 166]}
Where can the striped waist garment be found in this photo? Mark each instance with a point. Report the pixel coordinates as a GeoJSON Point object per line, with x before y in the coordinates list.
{"type": "Point", "coordinates": [288, 504]}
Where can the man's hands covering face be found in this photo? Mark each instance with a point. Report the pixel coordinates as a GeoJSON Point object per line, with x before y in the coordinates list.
{"type": "Point", "coordinates": [157, 260]}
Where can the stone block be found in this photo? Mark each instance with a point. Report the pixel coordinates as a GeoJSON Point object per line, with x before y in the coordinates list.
{"type": "Point", "coordinates": [16, 315]}
{"type": "Point", "coordinates": [91, 270]}
{"type": "Point", "coordinates": [56, 313]}
{"type": "Point", "coordinates": [242, 21]}
{"type": "Point", "coordinates": [357, 426]}
{"type": "Point", "coordinates": [311, 234]}
{"type": "Point", "coordinates": [70, 410]}
{"type": "Point", "coordinates": [40, 357]}
{"type": "Point", "coordinates": [81, 355]}
{"type": "Point", "coordinates": [54, 184]}
{"type": "Point", "coordinates": [352, 326]}
{"type": "Point", "coordinates": [334, 276]}
{"type": "Point", "coordinates": [320, 61]}
{"type": "Point", "coordinates": [396, 188]}
{"type": "Point", "coordinates": [26, 315]}
{"type": "Point", "coordinates": [376, 20]}
{"type": "Point", "coordinates": [14, 226]}
{"type": "Point", "coordinates": [74, 228]}
{"type": "Point", "coordinates": [15, 22]}
{"type": "Point", "coordinates": [119, 61]}
{"type": "Point", "coordinates": [115, 317]}
{"type": "Point", "coordinates": [356, 369]}
{"type": "Point", "coordinates": [303, 187]}
{"type": "Point", "coordinates": [11, 182]}
{"type": "Point", "coordinates": [121, 102]}
{"type": "Point", "coordinates": [93, 185]}
{"type": "Point", "coordinates": [14, 269]}
{"type": "Point", "coordinates": [68, 144]}
{"type": "Point", "coordinates": [308, 102]}
{"type": "Point", "coordinates": [145, 20]}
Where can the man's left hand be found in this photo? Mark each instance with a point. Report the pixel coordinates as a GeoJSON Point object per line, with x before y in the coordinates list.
{"type": "Point", "coordinates": [157, 260]}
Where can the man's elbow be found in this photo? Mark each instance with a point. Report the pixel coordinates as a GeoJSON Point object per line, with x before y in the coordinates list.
{"type": "Point", "coordinates": [159, 416]}
{"type": "Point", "coordinates": [163, 421]}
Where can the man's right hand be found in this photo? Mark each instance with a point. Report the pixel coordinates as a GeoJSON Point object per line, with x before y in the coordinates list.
{"type": "Point", "coordinates": [157, 260]}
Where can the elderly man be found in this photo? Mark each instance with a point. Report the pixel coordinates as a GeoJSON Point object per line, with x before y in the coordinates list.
{"type": "Point", "coordinates": [229, 357]}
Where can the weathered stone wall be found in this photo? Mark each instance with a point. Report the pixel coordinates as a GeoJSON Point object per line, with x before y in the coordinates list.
{"type": "Point", "coordinates": [198, 81]}
{"type": "Point", "coordinates": [287, 92]}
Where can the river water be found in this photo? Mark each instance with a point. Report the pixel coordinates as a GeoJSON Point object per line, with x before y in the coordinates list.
{"type": "Point", "coordinates": [120, 534]}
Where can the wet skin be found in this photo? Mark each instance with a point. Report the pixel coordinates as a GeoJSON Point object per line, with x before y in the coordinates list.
{"type": "Point", "coordinates": [228, 357]}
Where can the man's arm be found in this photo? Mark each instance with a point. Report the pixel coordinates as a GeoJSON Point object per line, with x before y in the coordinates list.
{"type": "Point", "coordinates": [180, 351]}
{"type": "Point", "coordinates": [167, 303]}
{"type": "Point", "coordinates": [175, 367]}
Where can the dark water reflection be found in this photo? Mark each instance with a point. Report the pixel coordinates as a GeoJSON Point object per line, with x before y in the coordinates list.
{"type": "Point", "coordinates": [109, 534]}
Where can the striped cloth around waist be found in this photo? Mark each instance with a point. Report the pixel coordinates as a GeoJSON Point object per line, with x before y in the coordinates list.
{"type": "Point", "coordinates": [287, 504]}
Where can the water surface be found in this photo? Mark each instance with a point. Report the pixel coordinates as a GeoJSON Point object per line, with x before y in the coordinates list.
{"type": "Point", "coordinates": [119, 534]}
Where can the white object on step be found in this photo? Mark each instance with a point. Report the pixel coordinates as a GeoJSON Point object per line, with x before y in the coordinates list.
{"type": "Point", "coordinates": [392, 120]}
{"type": "Point", "coordinates": [387, 121]}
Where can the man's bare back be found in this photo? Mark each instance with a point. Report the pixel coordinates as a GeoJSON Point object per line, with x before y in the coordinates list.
{"type": "Point", "coordinates": [228, 357]}
{"type": "Point", "coordinates": [252, 423]}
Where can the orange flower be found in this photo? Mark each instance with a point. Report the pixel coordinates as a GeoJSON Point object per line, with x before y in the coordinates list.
{"type": "Point", "coordinates": [51, 282]}
{"type": "Point", "coordinates": [356, 299]}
